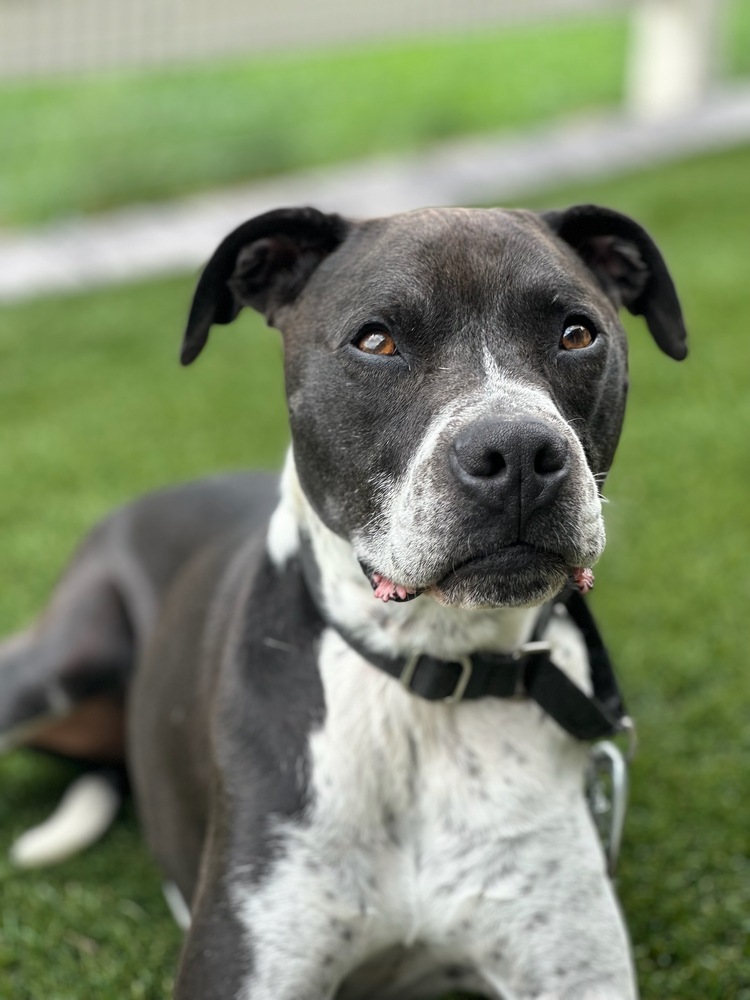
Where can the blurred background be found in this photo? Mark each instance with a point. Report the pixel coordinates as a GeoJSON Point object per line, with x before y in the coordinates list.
{"type": "Point", "coordinates": [134, 135]}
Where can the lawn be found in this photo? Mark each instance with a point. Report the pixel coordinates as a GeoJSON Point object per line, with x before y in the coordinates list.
{"type": "Point", "coordinates": [88, 144]}
{"type": "Point", "coordinates": [95, 409]}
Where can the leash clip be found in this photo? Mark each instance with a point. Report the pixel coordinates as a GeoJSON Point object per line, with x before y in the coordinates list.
{"type": "Point", "coordinates": [607, 794]}
{"type": "Point", "coordinates": [410, 668]}
{"type": "Point", "coordinates": [628, 730]}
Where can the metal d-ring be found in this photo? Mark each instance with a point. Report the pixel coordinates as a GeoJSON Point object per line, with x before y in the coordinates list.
{"type": "Point", "coordinates": [608, 800]}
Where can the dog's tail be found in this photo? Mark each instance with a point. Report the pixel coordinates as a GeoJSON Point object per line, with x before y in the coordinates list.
{"type": "Point", "coordinates": [62, 684]}
{"type": "Point", "coordinates": [84, 814]}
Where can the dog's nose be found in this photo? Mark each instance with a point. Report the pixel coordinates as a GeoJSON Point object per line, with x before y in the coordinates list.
{"type": "Point", "coordinates": [516, 465]}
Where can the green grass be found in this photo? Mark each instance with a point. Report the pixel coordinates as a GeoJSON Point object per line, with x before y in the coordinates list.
{"type": "Point", "coordinates": [95, 927]}
{"type": "Point", "coordinates": [737, 37]}
{"type": "Point", "coordinates": [90, 144]}
{"type": "Point", "coordinates": [95, 409]}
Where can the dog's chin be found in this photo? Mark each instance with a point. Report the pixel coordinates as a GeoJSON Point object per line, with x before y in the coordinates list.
{"type": "Point", "coordinates": [513, 577]}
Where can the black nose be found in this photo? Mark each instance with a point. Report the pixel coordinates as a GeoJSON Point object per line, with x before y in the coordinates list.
{"type": "Point", "coordinates": [514, 465]}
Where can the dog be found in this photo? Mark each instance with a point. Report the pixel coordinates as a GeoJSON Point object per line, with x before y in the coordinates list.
{"type": "Point", "coordinates": [343, 701]}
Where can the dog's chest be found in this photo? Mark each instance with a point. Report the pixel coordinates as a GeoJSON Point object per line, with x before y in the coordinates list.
{"type": "Point", "coordinates": [419, 812]}
{"type": "Point", "coordinates": [424, 802]}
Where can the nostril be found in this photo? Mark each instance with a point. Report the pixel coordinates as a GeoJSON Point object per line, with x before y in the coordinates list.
{"type": "Point", "coordinates": [491, 463]}
{"type": "Point", "coordinates": [475, 458]}
{"type": "Point", "coordinates": [549, 458]}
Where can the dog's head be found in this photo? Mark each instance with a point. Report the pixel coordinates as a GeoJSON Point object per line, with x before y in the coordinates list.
{"type": "Point", "coordinates": [456, 381]}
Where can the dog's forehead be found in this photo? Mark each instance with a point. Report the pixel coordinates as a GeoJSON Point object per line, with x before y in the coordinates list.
{"type": "Point", "coordinates": [434, 226]}
{"type": "Point", "coordinates": [429, 239]}
{"type": "Point", "coordinates": [470, 253]}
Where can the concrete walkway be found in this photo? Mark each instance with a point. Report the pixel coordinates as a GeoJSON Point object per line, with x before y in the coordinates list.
{"type": "Point", "coordinates": [160, 239]}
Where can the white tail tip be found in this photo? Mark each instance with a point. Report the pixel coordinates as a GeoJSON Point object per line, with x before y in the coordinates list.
{"type": "Point", "coordinates": [85, 812]}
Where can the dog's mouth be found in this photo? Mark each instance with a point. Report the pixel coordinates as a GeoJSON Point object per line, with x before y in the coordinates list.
{"type": "Point", "coordinates": [385, 589]}
{"type": "Point", "coordinates": [522, 565]}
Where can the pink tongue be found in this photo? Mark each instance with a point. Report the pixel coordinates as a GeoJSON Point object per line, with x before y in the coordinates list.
{"type": "Point", "coordinates": [387, 590]}
{"type": "Point", "coordinates": [583, 579]}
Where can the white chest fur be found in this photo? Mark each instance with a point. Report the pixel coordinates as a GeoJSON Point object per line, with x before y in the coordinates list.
{"type": "Point", "coordinates": [432, 786]}
{"type": "Point", "coordinates": [453, 828]}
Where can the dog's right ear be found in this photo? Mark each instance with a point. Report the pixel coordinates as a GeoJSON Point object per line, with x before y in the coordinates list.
{"type": "Point", "coordinates": [263, 264]}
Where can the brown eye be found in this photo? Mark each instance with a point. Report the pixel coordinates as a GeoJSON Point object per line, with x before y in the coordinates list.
{"type": "Point", "coordinates": [575, 337]}
{"type": "Point", "coordinates": [376, 342]}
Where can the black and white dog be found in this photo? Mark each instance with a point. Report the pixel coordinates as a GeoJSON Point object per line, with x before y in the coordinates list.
{"type": "Point", "coordinates": [356, 736]}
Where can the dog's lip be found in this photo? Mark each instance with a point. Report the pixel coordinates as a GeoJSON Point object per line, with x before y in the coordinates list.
{"type": "Point", "coordinates": [511, 558]}
{"type": "Point", "coordinates": [386, 589]}
{"type": "Point", "coordinates": [515, 552]}
{"type": "Point", "coordinates": [517, 557]}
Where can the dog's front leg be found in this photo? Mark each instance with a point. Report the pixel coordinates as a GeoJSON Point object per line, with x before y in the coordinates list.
{"type": "Point", "coordinates": [221, 961]}
{"type": "Point", "coordinates": [215, 957]}
{"type": "Point", "coordinates": [274, 941]}
{"type": "Point", "coordinates": [547, 924]}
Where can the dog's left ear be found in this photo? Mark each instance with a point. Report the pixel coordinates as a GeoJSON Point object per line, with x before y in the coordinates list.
{"type": "Point", "coordinates": [628, 265]}
{"type": "Point", "coordinates": [263, 264]}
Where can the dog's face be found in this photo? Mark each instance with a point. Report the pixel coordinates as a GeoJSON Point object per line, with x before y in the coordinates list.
{"type": "Point", "coordinates": [456, 382]}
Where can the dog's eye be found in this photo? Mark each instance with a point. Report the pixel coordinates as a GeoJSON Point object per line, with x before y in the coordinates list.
{"type": "Point", "coordinates": [376, 342]}
{"type": "Point", "coordinates": [576, 336]}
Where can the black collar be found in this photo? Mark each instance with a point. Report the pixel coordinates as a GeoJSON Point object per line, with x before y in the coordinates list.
{"type": "Point", "coordinates": [527, 672]}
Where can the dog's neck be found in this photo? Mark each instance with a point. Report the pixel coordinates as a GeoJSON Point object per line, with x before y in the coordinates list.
{"type": "Point", "coordinates": [347, 600]}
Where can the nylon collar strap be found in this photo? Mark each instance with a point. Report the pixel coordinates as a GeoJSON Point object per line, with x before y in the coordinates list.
{"type": "Point", "coordinates": [527, 672]}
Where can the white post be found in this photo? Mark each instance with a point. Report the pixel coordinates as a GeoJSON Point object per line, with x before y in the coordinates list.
{"type": "Point", "coordinates": [673, 55]}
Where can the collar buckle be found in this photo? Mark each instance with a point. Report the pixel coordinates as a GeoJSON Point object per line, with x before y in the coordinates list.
{"type": "Point", "coordinates": [410, 669]}
{"type": "Point", "coordinates": [521, 657]}
{"type": "Point", "coordinates": [531, 649]}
